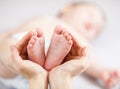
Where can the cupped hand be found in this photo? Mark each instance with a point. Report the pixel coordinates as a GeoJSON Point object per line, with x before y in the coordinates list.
{"type": "Point", "coordinates": [19, 53]}
{"type": "Point", "coordinates": [75, 63]}
{"type": "Point", "coordinates": [26, 67]}
{"type": "Point", "coordinates": [22, 44]}
{"type": "Point", "coordinates": [77, 59]}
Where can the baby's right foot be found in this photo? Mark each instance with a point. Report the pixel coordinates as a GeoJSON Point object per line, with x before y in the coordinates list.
{"type": "Point", "coordinates": [60, 45]}
{"type": "Point", "coordinates": [35, 48]}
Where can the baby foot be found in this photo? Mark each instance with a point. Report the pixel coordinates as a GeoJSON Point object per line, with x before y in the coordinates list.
{"type": "Point", "coordinates": [60, 45]}
{"type": "Point", "coordinates": [35, 48]}
{"type": "Point", "coordinates": [111, 78]}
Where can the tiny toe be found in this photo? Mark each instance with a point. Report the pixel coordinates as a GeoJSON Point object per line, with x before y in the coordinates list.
{"type": "Point", "coordinates": [30, 45]}
{"type": "Point", "coordinates": [119, 74]}
{"type": "Point", "coordinates": [39, 32]}
{"type": "Point", "coordinates": [64, 31]}
{"type": "Point", "coordinates": [66, 34]}
{"type": "Point", "coordinates": [31, 41]}
{"type": "Point", "coordinates": [70, 42]}
{"type": "Point", "coordinates": [58, 29]}
{"type": "Point", "coordinates": [116, 73]}
{"type": "Point", "coordinates": [112, 82]}
{"type": "Point", "coordinates": [35, 38]}
{"type": "Point", "coordinates": [34, 33]}
{"type": "Point", "coordinates": [109, 83]}
{"type": "Point", "coordinates": [69, 38]}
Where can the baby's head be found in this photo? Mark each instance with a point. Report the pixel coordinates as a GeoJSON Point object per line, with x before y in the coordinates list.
{"type": "Point", "coordinates": [86, 18]}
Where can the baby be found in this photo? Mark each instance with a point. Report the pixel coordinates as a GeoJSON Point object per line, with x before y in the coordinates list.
{"type": "Point", "coordinates": [81, 19]}
{"type": "Point", "coordinates": [88, 20]}
{"type": "Point", "coordinates": [61, 40]}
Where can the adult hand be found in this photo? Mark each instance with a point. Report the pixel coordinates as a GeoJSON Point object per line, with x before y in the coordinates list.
{"type": "Point", "coordinates": [32, 71]}
{"type": "Point", "coordinates": [22, 44]}
{"type": "Point", "coordinates": [26, 67]}
{"type": "Point", "coordinates": [75, 62]}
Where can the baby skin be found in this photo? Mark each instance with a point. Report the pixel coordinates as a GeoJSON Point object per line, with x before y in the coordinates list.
{"type": "Point", "coordinates": [60, 46]}
{"type": "Point", "coordinates": [61, 41]}
{"type": "Point", "coordinates": [35, 48]}
{"type": "Point", "coordinates": [110, 77]}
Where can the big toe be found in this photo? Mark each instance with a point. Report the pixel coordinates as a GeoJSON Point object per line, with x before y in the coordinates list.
{"type": "Point", "coordinates": [59, 29]}
{"type": "Point", "coordinates": [39, 32]}
{"type": "Point", "coordinates": [32, 41]}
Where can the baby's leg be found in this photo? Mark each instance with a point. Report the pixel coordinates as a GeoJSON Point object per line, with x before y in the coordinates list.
{"type": "Point", "coordinates": [110, 77]}
{"type": "Point", "coordinates": [60, 45]}
{"type": "Point", "coordinates": [35, 48]}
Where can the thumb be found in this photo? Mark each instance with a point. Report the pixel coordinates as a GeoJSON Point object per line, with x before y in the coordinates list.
{"type": "Point", "coordinates": [15, 60]}
{"type": "Point", "coordinates": [15, 53]}
{"type": "Point", "coordinates": [75, 66]}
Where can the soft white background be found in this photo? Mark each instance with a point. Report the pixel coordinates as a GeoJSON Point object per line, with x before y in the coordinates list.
{"type": "Point", "coordinates": [106, 47]}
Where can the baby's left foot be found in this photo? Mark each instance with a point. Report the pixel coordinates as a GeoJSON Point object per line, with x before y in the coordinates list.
{"type": "Point", "coordinates": [35, 49]}
{"type": "Point", "coordinates": [110, 78]}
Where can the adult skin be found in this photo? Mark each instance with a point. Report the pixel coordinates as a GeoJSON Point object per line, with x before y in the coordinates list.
{"type": "Point", "coordinates": [75, 64]}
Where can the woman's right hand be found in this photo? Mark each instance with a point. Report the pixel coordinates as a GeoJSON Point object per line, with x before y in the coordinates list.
{"type": "Point", "coordinates": [35, 74]}
{"type": "Point", "coordinates": [26, 67]}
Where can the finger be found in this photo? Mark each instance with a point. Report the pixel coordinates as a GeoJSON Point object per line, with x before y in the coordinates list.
{"type": "Point", "coordinates": [78, 40]}
{"type": "Point", "coordinates": [15, 60]}
{"type": "Point", "coordinates": [29, 68]}
{"type": "Point", "coordinates": [15, 53]}
{"type": "Point", "coordinates": [25, 67]}
{"type": "Point", "coordinates": [75, 66]}
{"type": "Point", "coordinates": [24, 41]}
{"type": "Point", "coordinates": [116, 73]}
{"type": "Point", "coordinates": [84, 51]}
{"type": "Point", "coordinates": [23, 53]}
{"type": "Point", "coordinates": [111, 82]}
